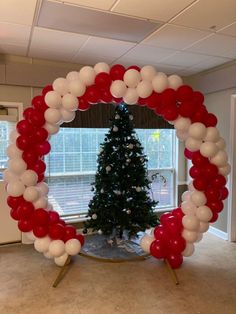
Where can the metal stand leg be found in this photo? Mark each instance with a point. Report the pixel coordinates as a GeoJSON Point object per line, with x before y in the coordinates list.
{"type": "Point", "coordinates": [172, 273]}
{"type": "Point", "coordinates": [62, 272]}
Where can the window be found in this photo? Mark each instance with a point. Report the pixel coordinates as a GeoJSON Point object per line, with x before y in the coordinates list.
{"type": "Point", "coordinates": [71, 166]}
{"type": "Point", "coordinates": [5, 129]}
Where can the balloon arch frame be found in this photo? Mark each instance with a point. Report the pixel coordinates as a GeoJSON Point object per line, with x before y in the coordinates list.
{"type": "Point", "coordinates": [167, 96]}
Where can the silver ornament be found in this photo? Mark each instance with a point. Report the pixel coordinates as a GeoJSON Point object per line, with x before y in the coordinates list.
{"type": "Point", "coordinates": [115, 128]}
{"type": "Point", "coordinates": [130, 146]}
{"type": "Point", "coordinates": [94, 216]}
{"type": "Point", "coordinates": [128, 211]}
{"type": "Point", "coordinates": [131, 117]}
{"type": "Point", "coordinates": [100, 231]}
{"type": "Point", "coordinates": [117, 117]}
{"type": "Point", "coordinates": [138, 188]}
{"type": "Point", "coordinates": [108, 168]}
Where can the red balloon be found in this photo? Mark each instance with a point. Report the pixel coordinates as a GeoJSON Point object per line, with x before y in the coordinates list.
{"type": "Point", "coordinates": [214, 217]}
{"type": "Point", "coordinates": [188, 154]}
{"type": "Point", "coordinates": [219, 181]}
{"type": "Point", "coordinates": [43, 148]}
{"type": "Point", "coordinates": [154, 100]}
{"type": "Point", "coordinates": [184, 92]}
{"type": "Point", "coordinates": [23, 142]}
{"type": "Point", "coordinates": [106, 95]}
{"type": "Point", "coordinates": [14, 214]}
{"type": "Point", "coordinates": [224, 193]}
{"type": "Point", "coordinates": [81, 239]}
{"type": "Point", "coordinates": [92, 94]}
{"type": "Point", "coordinates": [27, 112]}
{"type": "Point", "coordinates": [25, 225]}
{"type": "Point", "coordinates": [40, 231]}
{"type": "Point", "coordinates": [142, 101]}
{"type": "Point", "coordinates": [158, 249]}
{"type": "Point", "coordinates": [175, 260]}
{"type": "Point", "coordinates": [135, 67]}
{"type": "Point", "coordinates": [56, 231]}
{"type": "Point", "coordinates": [160, 233]}
{"type": "Point", "coordinates": [117, 100]}
{"type": "Point", "coordinates": [39, 135]}
{"type": "Point", "coordinates": [200, 116]}
{"type": "Point", "coordinates": [212, 194]}
{"type": "Point", "coordinates": [168, 97]}
{"type": "Point", "coordinates": [40, 217]}
{"type": "Point", "coordinates": [14, 202]}
{"type": "Point", "coordinates": [39, 167]}
{"type": "Point", "coordinates": [200, 183]}
{"type": "Point", "coordinates": [70, 233]}
{"type": "Point", "coordinates": [177, 244]}
{"type": "Point", "coordinates": [198, 98]}
{"type": "Point", "coordinates": [198, 159]}
{"type": "Point", "coordinates": [215, 206]}
{"type": "Point", "coordinates": [30, 157]}
{"type": "Point", "coordinates": [23, 127]}
{"type": "Point", "coordinates": [159, 109]}
{"type": "Point", "coordinates": [103, 80]}
{"type": "Point", "coordinates": [173, 225]}
{"type": "Point", "coordinates": [46, 89]}
{"type": "Point", "coordinates": [211, 120]}
{"type": "Point", "coordinates": [53, 217]}
{"type": "Point", "coordinates": [209, 171]}
{"type": "Point", "coordinates": [83, 104]}
{"type": "Point", "coordinates": [186, 109]}
{"type": "Point", "coordinates": [117, 72]}
{"type": "Point", "coordinates": [177, 212]}
{"type": "Point", "coordinates": [39, 104]}
{"type": "Point", "coordinates": [36, 118]}
{"type": "Point", "coordinates": [41, 177]}
{"type": "Point", "coordinates": [25, 210]}
{"type": "Point", "coordinates": [195, 172]}
{"type": "Point", "coordinates": [62, 222]}
{"type": "Point", "coordinates": [164, 217]}
{"type": "Point", "coordinates": [170, 112]}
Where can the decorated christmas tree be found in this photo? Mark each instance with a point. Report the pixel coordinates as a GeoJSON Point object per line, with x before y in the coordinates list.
{"type": "Point", "coordinates": [121, 200]}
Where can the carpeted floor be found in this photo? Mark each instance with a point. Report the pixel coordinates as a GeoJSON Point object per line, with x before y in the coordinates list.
{"type": "Point", "coordinates": [207, 284]}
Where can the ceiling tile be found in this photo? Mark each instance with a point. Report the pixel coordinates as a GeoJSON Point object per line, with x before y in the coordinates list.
{"type": "Point", "coordinates": [58, 55]}
{"type": "Point", "coordinates": [92, 59]}
{"type": "Point", "coordinates": [14, 34]}
{"type": "Point", "coordinates": [149, 54]}
{"type": "Point", "coordinates": [184, 59]}
{"type": "Point", "coordinates": [17, 12]}
{"type": "Point", "coordinates": [54, 41]}
{"type": "Point", "coordinates": [211, 62]}
{"type": "Point", "coordinates": [160, 10]}
{"type": "Point", "coordinates": [228, 30]}
{"type": "Point", "coordinates": [204, 14]}
{"type": "Point", "coordinates": [175, 37]}
{"type": "Point", "coordinates": [216, 45]}
{"type": "Point", "coordinates": [13, 49]}
{"type": "Point", "coordinates": [101, 4]}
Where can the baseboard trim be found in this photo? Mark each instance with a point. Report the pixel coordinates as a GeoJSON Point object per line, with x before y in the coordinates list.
{"type": "Point", "coordinates": [219, 233]}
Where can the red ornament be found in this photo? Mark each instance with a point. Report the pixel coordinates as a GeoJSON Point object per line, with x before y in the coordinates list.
{"type": "Point", "coordinates": [56, 231]}
{"type": "Point", "coordinates": [103, 80]}
{"type": "Point", "coordinates": [158, 249]}
{"type": "Point", "coordinates": [117, 72]}
{"type": "Point", "coordinates": [175, 260]}
{"type": "Point", "coordinates": [184, 92]}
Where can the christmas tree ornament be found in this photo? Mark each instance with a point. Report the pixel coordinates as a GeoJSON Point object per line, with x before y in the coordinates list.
{"type": "Point", "coordinates": [115, 128]}
{"type": "Point", "coordinates": [130, 146]}
{"type": "Point", "coordinates": [100, 231]}
{"type": "Point", "coordinates": [94, 216]}
{"type": "Point", "coordinates": [128, 211]}
{"type": "Point", "coordinates": [108, 168]}
{"type": "Point", "coordinates": [85, 231]}
{"type": "Point", "coordinates": [102, 191]}
{"type": "Point", "coordinates": [131, 117]}
{"type": "Point", "coordinates": [128, 160]}
{"type": "Point", "coordinates": [117, 116]}
{"type": "Point", "coordinates": [138, 188]}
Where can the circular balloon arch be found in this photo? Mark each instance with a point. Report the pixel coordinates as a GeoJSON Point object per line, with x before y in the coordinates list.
{"type": "Point", "coordinates": [167, 96]}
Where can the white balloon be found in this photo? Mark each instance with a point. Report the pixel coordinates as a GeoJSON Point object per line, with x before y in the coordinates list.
{"type": "Point", "coordinates": [204, 213]}
{"type": "Point", "coordinates": [189, 250]}
{"type": "Point", "coordinates": [51, 128]}
{"type": "Point", "coordinates": [67, 116]}
{"type": "Point", "coordinates": [15, 188]}
{"type": "Point", "coordinates": [197, 130]}
{"type": "Point", "coordinates": [60, 85]}
{"type": "Point", "coordinates": [182, 135]}
{"type": "Point", "coordinates": [212, 134]}
{"type": "Point", "coordinates": [189, 236]}
{"type": "Point", "coordinates": [131, 96]}
{"type": "Point", "coordinates": [13, 136]}
{"type": "Point", "coordinates": [17, 165]}
{"type": "Point", "coordinates": [148, 72]}
{"type": "Point", "coordinates": [193, 144]}
{"type": "Point", "coordinates": [101, 67]}
{"type": "Point", "coordinates": [9, 176]}
{"type": "Point", "coordinates": [87, 75]}
{"type": "Point", "coordinates": [42, 244]}
{"type": "Point", "coordinates": [31, 194]}
{"type": "Point", "coordinates": [204, 226]}
{"type": "Point", "coordinates": [70, 102]}
{"type": "Point", "coordinates": [186, 196]}
{"type": "Point", "coordinates": [53, 99]}
{"type": "Point", "coordinates": [77, 88]}
{"type": "Point", "coordinates": [132, 77]}
{"type": "Point", "coordinates": [160, 82]}
{"type": "Point", "coordinates": [13, 151]}
{"type": "Point", "coordinates": [198, 198]}
{"type": "Point", "coordinates": [188, 207]}
{"type": "Point", "coordinates": [144, 89]}
{"type": "Point", "coordinates": [225, 170]}
{"type": "Point", "coordinates": [199, 238]}
{"type": "Point", "coordinates": [52, 116]}
{"type": "Point", "coordinates": [48, 255]}
{"type": "Point", "coordinates": [221, 143]}
{"type": "Point", "coordinates": [220, 159]}
{"type": "Point", "coordinates": [56, 248]}
{"type": "Point", "coordinates": [41, 202]}
{"type": "Point", "coordinates": [61, 260]}
{"type": "Point", "coordinates": [72, 247]}
{"type": "Point", "coordinates": [191, 222]}
{"type": "Point", "coordinates": [29, 177]}
{"type": "Point", "coordinates": [73, 75]}
{"type": "Point", "coordinates": [145, 242]}
{"type": "Point", "coordinates": [208, 149]}
{"type": "Point", "coordinates": [43, 188]}
{"type": "Point", "coordinates": [118, 88]}
{"type": "Point", "coordinates": [174, 81]}
{"type": "Point", "coordinates": [182, 124]}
